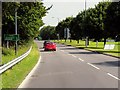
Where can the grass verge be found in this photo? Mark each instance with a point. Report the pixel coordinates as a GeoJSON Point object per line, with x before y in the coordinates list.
{"type": "Point", "coordinates": [9, 54]}
{"type": "Point", "coordinates": [13, 77]}
{"type": "Point", "coordinates": [92, 46]}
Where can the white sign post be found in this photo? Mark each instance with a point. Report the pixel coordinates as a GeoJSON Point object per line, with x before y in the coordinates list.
{"type": "Point", "coordinates": [66, 33]}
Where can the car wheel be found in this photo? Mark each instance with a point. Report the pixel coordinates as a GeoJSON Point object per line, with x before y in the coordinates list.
{"type": "Point", "coordinates": [45, 49]}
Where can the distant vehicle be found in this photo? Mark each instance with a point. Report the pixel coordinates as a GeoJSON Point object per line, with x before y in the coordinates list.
{"type": "Point", "coordinates": [45, 43]}
{"type": "Point", "coordinates": [49, 46]}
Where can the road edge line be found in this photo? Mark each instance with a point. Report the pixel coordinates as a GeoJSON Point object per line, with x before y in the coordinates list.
{"type": "Point", "coordinates": [29, 75]}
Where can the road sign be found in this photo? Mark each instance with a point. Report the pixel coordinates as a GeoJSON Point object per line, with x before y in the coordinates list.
{"type": "Point", "coordinates": [11, 37]}
{"type": "Point", "coordinates": [66, 33]}
{"type": "Point", "coordinates": [109, 46]}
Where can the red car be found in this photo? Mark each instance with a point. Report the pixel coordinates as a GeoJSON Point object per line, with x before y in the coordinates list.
{"type": "Point", "coordinates": [49, 46]}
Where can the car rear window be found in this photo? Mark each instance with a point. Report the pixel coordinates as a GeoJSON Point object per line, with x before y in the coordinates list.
{"type": "Point", "coordinates": [49, 43]}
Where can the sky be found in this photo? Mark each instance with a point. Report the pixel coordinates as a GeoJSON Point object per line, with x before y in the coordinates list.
{"type": "Point", "coordinates": [65, 8]}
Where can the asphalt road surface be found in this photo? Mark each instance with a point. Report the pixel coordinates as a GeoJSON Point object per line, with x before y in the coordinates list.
{"type": "Point", "coordinates": [69, 67]}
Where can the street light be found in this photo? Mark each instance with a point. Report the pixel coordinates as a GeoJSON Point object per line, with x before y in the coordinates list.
{"type": "Point", "coordinates": [86, 42]}
{"type": "Point", "coordinates": [57, 18]}
{"type": "Point", "coordinates": [16, 30]}
{"type": "Point", "coordinates": [57, 33]}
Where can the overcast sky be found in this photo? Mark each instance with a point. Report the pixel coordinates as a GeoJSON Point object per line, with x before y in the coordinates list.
{"type": "Point", "coordinates": [65, 8]}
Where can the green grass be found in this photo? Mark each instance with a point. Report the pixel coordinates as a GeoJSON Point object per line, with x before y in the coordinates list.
{"type": "Point", "coordinates": [92, 46]}
{"type": "Point", "coordinates": [13, 77]}
{"type": "Point", "coordinates": [9, 54]}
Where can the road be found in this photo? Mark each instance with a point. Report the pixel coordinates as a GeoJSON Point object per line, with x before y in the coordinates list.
{"type": "Point", "coordinates": [69, 67]}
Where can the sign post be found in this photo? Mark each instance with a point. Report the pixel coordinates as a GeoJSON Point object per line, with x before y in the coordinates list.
{"type": "Point", "coordinates": [66, 33]}
{"type": "Point", "coordinates": [12, 37]}
{"type": "Point", "coordinates": [58, 36]}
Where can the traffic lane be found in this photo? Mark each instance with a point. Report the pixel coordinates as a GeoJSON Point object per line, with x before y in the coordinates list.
{"type": "Point", "coordinates": [109, 67]}
{"type": "Point", "coordinates": [58, 70]}
{"type": "Point", "coordinates": [105, 63]}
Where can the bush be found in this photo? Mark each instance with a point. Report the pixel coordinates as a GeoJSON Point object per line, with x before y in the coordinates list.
{"type": "Point", "coordinates": [6, 51]}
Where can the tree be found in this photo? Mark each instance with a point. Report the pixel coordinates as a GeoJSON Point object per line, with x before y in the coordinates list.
{"type": "Point", "coordinates": [62, 25]}
{"type": "Point", "coordinates": [75, 29]}
{"type": "Point", "coordinates": [29, 15]}
{"type": "Point", "coordinates": [112, 20]}
{"type": "Point", "coordinates": [48, 32]}
{"type": "Point", "coordinates": [101, 16]}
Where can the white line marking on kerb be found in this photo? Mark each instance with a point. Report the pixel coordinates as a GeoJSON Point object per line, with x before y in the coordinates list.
{"type": "Point", "coordinates": [81, 59]}
{"type": "Point", "coordinates": [74, 56]}
{"type": "Point", "coordinates": [93, 65]}
{"type": "Point", "coordinates": [113, 76]}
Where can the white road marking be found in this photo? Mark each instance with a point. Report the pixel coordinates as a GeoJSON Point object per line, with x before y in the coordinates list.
{"type": "Point", "coordinates": [93, 65]}
{"type": "Point", "coordinates": [113, 76]}
{"type": "Point", "coordinates": [69, 54]}
{"type": "Point", "coordinates": [74, 56]}
{"type": "Point", "coordinates": [25, 81]}
{"type": "Point", "coordinates": [81, 59]}
{"type": "Point", "coordinates": [62, 50]}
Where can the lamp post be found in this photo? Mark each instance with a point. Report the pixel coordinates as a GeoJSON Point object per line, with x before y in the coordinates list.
{"type": "Point", "coordinates": [86, 42]}
{"type": "Point", "coordinates": [58, 22]}
{"type": "Point", "coordinates": [57, 19]}
{"type": "Point", "coordinates": [58, 33]}
{"type": "Point", "coordinates": [16, 30]}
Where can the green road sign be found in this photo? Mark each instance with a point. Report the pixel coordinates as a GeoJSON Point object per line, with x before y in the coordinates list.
{"type": "Point", "coordinates": [11, 37]}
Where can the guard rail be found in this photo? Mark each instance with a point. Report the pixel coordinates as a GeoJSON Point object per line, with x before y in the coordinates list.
{"type": "Point", "coordinates": [14, 62]}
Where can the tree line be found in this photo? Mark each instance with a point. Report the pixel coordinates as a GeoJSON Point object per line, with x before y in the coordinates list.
{"type": "Point", "coordinates": [95, 23]}
{"type": "Point", "coordinates": [100, 22]}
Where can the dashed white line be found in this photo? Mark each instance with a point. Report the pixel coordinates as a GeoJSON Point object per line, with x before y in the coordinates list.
{"type": "Point", "coordinates": [93, 65]}
{"type": "Point", "coordinates": [69, 54]}
{"type": "Point", "coordinates": [81, 59]}
{"type": "Point", "coordinates": [74, 56]}
{"type": "Point", "coordinates": [113, 76]}
{"type": "Point", "coordinates": [62, 50]}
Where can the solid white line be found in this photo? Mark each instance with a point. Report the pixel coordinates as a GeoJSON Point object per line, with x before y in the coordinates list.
{"type": "Point", "coordinates": [29, 75]}
{"type": "Point", "coordinates": [113, 76]}
{"type": "Point", "coordinates": [81, 59]}
{"type": "Point", "coordinates": [74, 56]}
{"type": "Point", "coordinates": [93, 65]}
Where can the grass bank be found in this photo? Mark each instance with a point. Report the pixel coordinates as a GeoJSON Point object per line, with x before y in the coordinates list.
{"type": "Point", "coordinates": [93, 46]}
{"type": "Point", "coordinates": [13, 77]}
{"type": "Point", "coordinates": [9, 54]}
